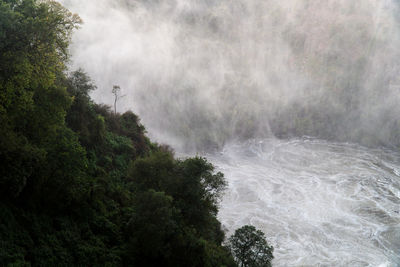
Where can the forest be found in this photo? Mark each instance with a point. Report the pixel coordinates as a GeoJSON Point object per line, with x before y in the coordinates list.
{"type": "Point", "coordinates": [82, 185]}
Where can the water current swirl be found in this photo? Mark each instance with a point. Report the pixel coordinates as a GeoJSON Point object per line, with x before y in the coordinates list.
{"type": "Point", "coordinates": [319, 203]}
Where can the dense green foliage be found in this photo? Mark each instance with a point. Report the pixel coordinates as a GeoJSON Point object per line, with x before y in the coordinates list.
{"type": "Point", "coordinates": [249, 247]}
{"type": "Point", "coordinates": [33, 42]}
{"type": "Point", "coordinates": [81, 185]}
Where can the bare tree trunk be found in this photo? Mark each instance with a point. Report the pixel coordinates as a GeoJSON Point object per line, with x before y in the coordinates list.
{"type": "Point", "coordinates": [115, 105]}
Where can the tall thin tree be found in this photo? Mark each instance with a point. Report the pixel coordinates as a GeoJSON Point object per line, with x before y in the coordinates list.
{"type": "Point", "coordinates": [117, 96]}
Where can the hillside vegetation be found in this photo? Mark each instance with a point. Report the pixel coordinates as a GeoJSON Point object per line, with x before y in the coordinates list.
{"type": "Point", "coordinates": [81, 185]}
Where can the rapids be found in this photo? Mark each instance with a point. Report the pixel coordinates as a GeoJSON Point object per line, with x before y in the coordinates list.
{"type": "Point", "coordinates": [319, 203]}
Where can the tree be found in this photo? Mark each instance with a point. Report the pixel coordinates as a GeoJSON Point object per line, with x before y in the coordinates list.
{"type": "Point", "coordinates": [151, 229]}
{"type": "Point", "coordinates": [34, 38]}
{"type": "Point", "coordinates": [82, 117]}
{"type": "Point", "coordinates": [250, 248]}
{"type": "Point", "coordinates": [193, 184]}
{"type": "Point", "coordinates": [117, 96]}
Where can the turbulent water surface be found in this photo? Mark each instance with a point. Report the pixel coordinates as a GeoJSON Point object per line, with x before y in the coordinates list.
{"type": "Point", "coordinates": [319, 203]}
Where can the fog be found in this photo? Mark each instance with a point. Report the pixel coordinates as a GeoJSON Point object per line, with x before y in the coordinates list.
{"type": "Point", "coordinates": [200, 73]}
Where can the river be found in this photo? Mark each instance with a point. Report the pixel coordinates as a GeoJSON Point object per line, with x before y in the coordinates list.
{"type": "Point", "coordinates": [319, 203]}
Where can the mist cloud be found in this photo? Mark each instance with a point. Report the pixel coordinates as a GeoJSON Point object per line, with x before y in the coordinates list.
{"type": "Point", "coordinates": [203, 72]}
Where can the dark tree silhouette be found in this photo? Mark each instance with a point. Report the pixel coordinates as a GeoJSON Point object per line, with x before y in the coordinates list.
{"type": "Point", "coordinates": [250, 248]}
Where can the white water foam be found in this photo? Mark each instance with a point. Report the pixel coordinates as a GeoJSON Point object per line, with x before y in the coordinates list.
{"type": "Point", "coordinates": [319, 203]}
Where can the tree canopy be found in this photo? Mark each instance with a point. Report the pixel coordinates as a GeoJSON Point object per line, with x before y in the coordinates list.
{"type": "Point", "coordinates": [250, 248]}
{"type": "Point", "coordinates": [34, 38]}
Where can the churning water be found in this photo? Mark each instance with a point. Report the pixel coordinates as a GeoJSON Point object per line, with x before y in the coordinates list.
{"type": "Point", "coordinates": [319, 203]}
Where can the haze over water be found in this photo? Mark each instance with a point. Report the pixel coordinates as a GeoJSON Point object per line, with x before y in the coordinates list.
{"type": "Point", "coordinates": [200, 73]}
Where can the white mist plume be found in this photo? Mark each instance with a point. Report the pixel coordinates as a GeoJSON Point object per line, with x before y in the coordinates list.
{"type": "Point", "coordinates": [202, 72]}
